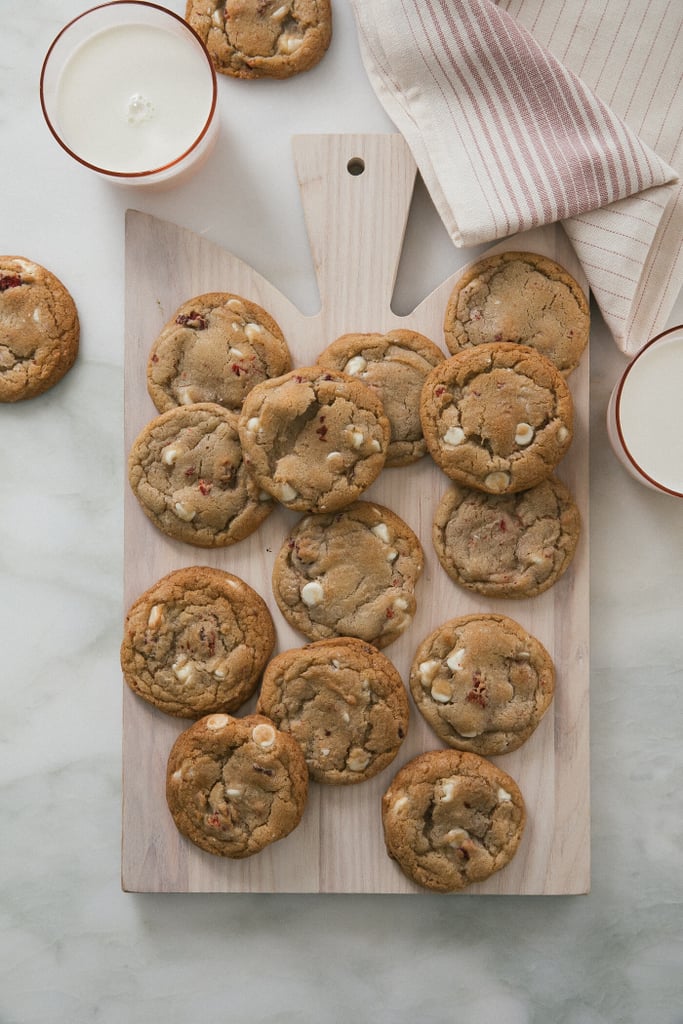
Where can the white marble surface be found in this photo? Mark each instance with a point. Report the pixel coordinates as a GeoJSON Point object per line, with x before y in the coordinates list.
{"type": "Point", "coordinates": [73, 947]}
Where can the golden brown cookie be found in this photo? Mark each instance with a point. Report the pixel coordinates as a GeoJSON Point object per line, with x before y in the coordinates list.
{"type": "Point", "coordinates": [497, 417]}
{"type": "Point", "coordinates": [507, 545]}
{"type": "Point", "coordinates": [352, 573]}
{"type": "Point", "coordinates": [483, 683]}
{"type": "Point", "coordinates": [39, 329]}
{"type": "Point", "coordinates": [314, 439]}
{"type": "Point", "coordinates": [186, 469]}
{"type": "Point", "coordinates": [451, 819]}
{"type": "Point", "coordinates": [343, 702]}
{"type": "Point", "coordinates": [235, 785]}
{"type": "Point", "coordinates": [215, 348]}
{"type": "Point", "coordinates": [262, 38]}
{"type": "Point", "coordinates": [520, 297]}
{"type": "Point", "coordinates": [395, 365]}
{"type": "Point", "coordinates": [196, 642]}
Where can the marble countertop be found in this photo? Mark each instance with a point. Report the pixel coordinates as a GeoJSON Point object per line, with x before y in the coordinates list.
{"type": "Point", "coordinates": [73, 947]}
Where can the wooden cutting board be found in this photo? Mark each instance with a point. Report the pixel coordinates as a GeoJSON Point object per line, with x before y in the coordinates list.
{"type": "Point", "coordinates": [356, 223]}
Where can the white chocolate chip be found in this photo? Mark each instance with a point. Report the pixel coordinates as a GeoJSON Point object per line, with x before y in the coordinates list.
{"type": "Point", "coordinates": [401, 802]}
{"type": "Point", "coordinates": [264, 735]}
{"type": "Point", "coordinates": [235, 353]}
{"type": "Point", "coordinates": [216, 721]}
{"type": "Point", "coordinates": [218, 19]}
{"type": "Point", "coordinates": [287, 492]}
{"type": "Point", "coordinates": [445, 796]}
{"type": "Point", "coordinates": [357, 438]}
{"type": "Point", "coordinates": [184, 670]}
{"type": "Point", "coordinates": [355, 365]}
{"type": "Point", "coordinates": [177, 775]}
{"type": "Point", "coordinates": [289, 43]}
{"type": "Point", "coordinates": [375, 445]}
{"type": "Point", "coordinates": [335, 457]}
{"type": "Point", "coordinates": [183, 512]}
{"type": "Point", "coordinates": [441, 691]}
{"type": "Point", "coordinates": [456, 836]}
{"type": "Point", "coordinates": [455, 659]}
{"type": "Point", "coordinates": [562, 435]}
{"type": "Point", "coordinates": [392, 555]}
{"type": "Point", "coordinates": [264, 496]}
{"type": "Point", "coordinates": [253, 424]}
{"type": "Point", "coordinates": [428, 670]}
{"type": "Point", "coordinates": [336, 664]}
{"type": "Point", "coordinates": [156, 616]}
{"type": "Point", "coordinates": [469, 735]}
{"type": "Point", "coordinates": [218, 667]}
{"type": "Point", "coordinates": [358, 759]}
{"type": "Point", "coordinates": [346, 717]}
{"type": "Point", "coordinates": [234, 791]}
{"type": "Point", "coordinates": [381, 531]}
{"type": "Point", "coordinates": [170, 454]}
{"type": "Point", "coordinates": [401, 604]}
{"type": "Point", "coordinates": [281, 13]}
{"type": "Point", "coordinates": [235, 304]}
{"type": "Point", "coordinates": [325, 752]}
{"type": "Point", "coordinates": [188, 395]}
{"type": "Point", "coordinates": [312, 593]}
{"type": "Point", "coordinates": [524, 434]}
{"type": "Point", "coordinates": [253, 331]}
{"type": "Point", "coordinates": [503, 796]}
{"type": "Point", "coordinates": [454, 436]}
{"type": "Point", "coordinates": [497, 481]}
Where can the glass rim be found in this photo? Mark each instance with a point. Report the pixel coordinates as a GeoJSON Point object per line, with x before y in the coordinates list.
{"type": "Point", "coordinates": [151, 172]}
{"type": "Point", "coordinates": [657, 484]}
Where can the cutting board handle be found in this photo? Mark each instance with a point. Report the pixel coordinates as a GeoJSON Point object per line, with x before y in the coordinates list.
{"type": "Point", "coordinates": [356, 192]}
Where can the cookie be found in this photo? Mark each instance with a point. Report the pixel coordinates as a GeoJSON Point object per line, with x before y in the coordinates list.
{"type": "Point", "coordinates": [497, 417]}
{"type": "Point", "coordinates": [197, 642]}
{"type": "Point", "coordinates": [483, 683]}
{"type": "Point", "coordinates": [451, 819]}
{"type": "Point", "coordinates": [519, 297]}
{"type": "Point", "coordinates": [235, 785]}
{"type": "Point", "coordinates": [507, 545]}
{"type": "Point", "coordinates": [343, 702]}
{"type": "Point", "coordinates": [262, 38]}
{"type": "Point", "coordinates": [186, 470]}
{"type": "Point", "coordinates": [352, 573]}
{"type": "Point", "coordinates": [215, 348]}
{"type": "Point", "coordinates": [313, 438]}
{"type": "Point", "coordinates": [39, 329]}
{"type": "Point", "coordinates": [395, 365]}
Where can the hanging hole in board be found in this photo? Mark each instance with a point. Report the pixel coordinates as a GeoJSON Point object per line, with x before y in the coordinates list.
{"type": "Point", "coordinates": [355, 166]}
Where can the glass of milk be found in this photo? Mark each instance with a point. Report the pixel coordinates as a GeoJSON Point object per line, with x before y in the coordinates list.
{"type": "Point", "coordinates": [128, 90]}
{"type": "Point", "coordinates": [645, 414]}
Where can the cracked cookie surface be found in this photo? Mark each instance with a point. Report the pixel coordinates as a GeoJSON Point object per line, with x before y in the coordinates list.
{"type": "Point", "coordinates": [483, 683]}
{"type": "Point", "coordinates": [343, 702]}
{"type": "Point", "coordinates": [451, 819]}
{"type": "Point", "coordinates": [314, 439]}
{"type": "Point", "coordinates": [187, 471]}
{"type": "Point", "coordinates": [39, 329]}
{"type": "Point", "coordinates": [196, 642]}
{"type": "Point", "coordinates": [262, 38]}
{"type": "Point", "coordinates": [512, 545]}
{"type": "Point", "coordinates": [497, 417]}
{"type": "Point", "coordinates": [215, 348]}
{"type": "Point", "coordinates": [235, 785]}
{"type": "Point", "coordinates": [352, 573]}
{"type": "Point", "coordinates": [395, 365]}
{"type": "Point", "coordinates": [519, 297]}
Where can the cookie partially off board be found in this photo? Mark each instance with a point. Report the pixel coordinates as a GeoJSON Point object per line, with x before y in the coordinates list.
{"type": "Point", "coordinates": [356, 224]}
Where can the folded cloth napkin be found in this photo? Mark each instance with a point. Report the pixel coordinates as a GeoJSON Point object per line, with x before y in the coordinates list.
{"type": "Point", "coordinates": [528, 112]}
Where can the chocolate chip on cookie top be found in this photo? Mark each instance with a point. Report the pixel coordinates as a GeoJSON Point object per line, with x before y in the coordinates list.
{"type": "Point", "coordinates": [352, 573]}
{"type": "Point", "coordinates": [215, 348]}
{"type": "Point", "coordinates": [315, 439]}
{"type": "Point", "coordinates": [262, 38]}
{"type": "Point", "coordinates": [507, 545]}
{"type": "Point", "coordinates": [395, 365]}
{"type": "Point", "coordinates": [452, 819]}
{"type": "Point", "coordinates": [196, 642]}
{"type": "Point", "coordinates": [235, 785]}
{"type": "Point", "coordinates": [483, 683]}
{"type": "Point", "coordinates": [520, 297]}
{"type": "Point", "coordinates": [39, 329]}
{"type": "Point", "coordinates": [497, 417]}
{"type": "Point", "coordinates": [187, 471]}
{"type": "Point", "coordinates": [343, 702]}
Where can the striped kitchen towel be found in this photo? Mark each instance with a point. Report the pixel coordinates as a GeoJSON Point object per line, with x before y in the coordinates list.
{"type": "Point", "coordinates": [529, 112]}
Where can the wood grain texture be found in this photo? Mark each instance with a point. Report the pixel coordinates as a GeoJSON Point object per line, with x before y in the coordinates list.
{"type": "Point", "coordinates": [356, 225]}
